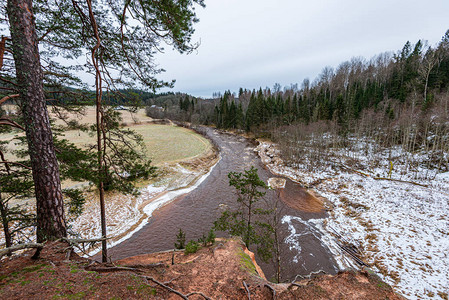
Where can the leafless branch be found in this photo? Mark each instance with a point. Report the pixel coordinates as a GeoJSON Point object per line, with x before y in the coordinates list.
{"type": "Point", "coordinates": [248, 293]}
{"type": "Point", "coordinates": [18, 247]}
{"type": "Point", "coordinates": [6, 98]}
{"type": "Point", "coordinates": [15, 163]}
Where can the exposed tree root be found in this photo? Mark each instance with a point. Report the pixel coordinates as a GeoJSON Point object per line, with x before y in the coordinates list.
{"type": "Point", "coordinates": [248, 293]}
{"type": "Point", "coordinates": [273, 291]}
{"type": "Point", "coordinates": [175, 291]}
{"type": "Point", "coordinates": [198, 293]}
{"type": "Point", "coordinates": [137, 270]}
{"type": "Point", "coordinates": [112, 269]}
{"type": "Point", "coordinates": [149, 266]}
{"type": "Point", "coordinates": [308, 276]}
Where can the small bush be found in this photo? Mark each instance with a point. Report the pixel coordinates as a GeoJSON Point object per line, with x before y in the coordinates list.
{"type": "Point", "coordinates": [209, 240]}
{"type": "Point", "coordinates": [203, 241]}
{"type": "Point", "coordinates": [180, 240]}
{"type": "Point", "coordinates": [211, 237]}
{"type": "Point", "coordinates": [191, 247]}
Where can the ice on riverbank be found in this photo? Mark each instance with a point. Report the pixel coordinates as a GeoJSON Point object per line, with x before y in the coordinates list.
{"type": "Point", "coordinates": [122, 212]}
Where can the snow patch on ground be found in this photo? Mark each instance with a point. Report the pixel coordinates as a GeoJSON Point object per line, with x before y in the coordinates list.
{"type": "Point", "coordinates": [149, 193]}
{"type": "Point", "coordinates": [402, 228]}
{"type": "Point", "coordinates": [122, 212]}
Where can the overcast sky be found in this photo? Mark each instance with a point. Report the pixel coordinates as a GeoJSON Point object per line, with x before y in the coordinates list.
{"type": "Point", "coordinates": [256, 43]}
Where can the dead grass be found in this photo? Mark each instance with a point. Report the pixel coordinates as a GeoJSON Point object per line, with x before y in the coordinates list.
{"type": "Point", "coordinates": [165, 144]}
{"type": "Point", "coordinates": [169, 144]}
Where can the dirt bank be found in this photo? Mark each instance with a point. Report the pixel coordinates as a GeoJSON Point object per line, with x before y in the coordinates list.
{"type": "Point", "coordinates": [220, 271]}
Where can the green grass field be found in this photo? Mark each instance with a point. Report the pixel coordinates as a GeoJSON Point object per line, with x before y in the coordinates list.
{"type": "Point", "coordinates": [165, 143]}
{"type": "Point", "coordinates": [168, 144]}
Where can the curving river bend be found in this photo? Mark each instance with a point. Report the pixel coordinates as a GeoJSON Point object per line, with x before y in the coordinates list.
{"type": "Point", "coordinates": [195, 212]}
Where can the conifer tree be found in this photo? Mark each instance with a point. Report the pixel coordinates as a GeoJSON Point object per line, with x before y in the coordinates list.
{"type": "Point", "coordinates": [69, 28]}
{"type": "Point", "coordinates": [231, 117]}
{"type": "Point", "coordinates": [295, 106]}
{"type": "Point", "coordinates": [240, 117]}
{"type": "Point", "coordinates": [250, 189]}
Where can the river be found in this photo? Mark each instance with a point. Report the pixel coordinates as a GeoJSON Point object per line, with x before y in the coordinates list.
{"type": "Point", "coordinates": [195, 212]}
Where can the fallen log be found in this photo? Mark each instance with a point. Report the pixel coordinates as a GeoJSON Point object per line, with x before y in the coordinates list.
{"type": "Point", "coordinates": [403, 181]}
{"type": "Point", "coordinates": [10, 250]}
{"type": "Point", "coordinates": [382, 178]}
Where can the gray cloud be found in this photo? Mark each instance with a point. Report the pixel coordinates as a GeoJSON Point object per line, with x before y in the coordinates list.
{"type": "Point", "coordinates": [253, 43]}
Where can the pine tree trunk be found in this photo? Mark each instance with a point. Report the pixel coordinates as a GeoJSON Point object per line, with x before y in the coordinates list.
{"type": "Point", "coordinates": [49, 202]}
{"type": "Point", "coordinates": [5, 222]}
{"type": "Point", "coordinates": [101, 135]}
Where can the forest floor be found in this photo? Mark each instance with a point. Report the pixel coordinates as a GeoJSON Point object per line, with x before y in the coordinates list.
{"type": "Point", "coordinates": [224, 270]}
{"type": "Point", "coordinates": [401, 224]}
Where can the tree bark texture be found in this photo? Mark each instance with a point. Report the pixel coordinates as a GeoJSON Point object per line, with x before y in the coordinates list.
{"type": "Point", "coordinates": [5, 223]}
{"type": "Point", "coordinates": [49, 201]}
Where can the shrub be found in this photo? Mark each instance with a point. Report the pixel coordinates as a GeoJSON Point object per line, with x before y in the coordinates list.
{"type": "Point", "coordinates": [211, 237]}
{"type": "Point", "coordinates": [191, 247]}
{"type": "Point", "coordinates": [180, 240]}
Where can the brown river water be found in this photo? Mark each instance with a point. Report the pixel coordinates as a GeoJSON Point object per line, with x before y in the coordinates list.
{"type": "Point", "coordinates": [195, 212]}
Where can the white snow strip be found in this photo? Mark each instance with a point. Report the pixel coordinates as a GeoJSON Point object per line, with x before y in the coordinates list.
{"type": "Point", "coordinates": [294, 238]}
{"type": "Point", "coordinates": [154, 205]}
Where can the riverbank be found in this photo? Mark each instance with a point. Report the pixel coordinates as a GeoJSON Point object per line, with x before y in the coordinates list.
{"type": "Point", "coordinates": [153, 198]}
{"type": "Point", "coordinates": [401, 227]}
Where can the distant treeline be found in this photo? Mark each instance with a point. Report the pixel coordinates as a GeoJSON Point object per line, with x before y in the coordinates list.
{"type": "Point", "coordinates": [392, 101]}
{"type": "Point", "coordinates": [125, 97]}
{"type": "Point", "coordinates": [417, 75]}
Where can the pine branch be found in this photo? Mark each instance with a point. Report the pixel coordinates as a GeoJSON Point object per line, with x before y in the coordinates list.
{"type": "Point", "coordinates": [15, 163]}
{"type": "Point", "coordinates": [8, 122]}
{"type": "Point", "coordinates": [6, 98]}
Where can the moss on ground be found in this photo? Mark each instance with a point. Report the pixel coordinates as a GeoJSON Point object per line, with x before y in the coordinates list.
{"type": "Point", "coordinates": [246, 262]}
